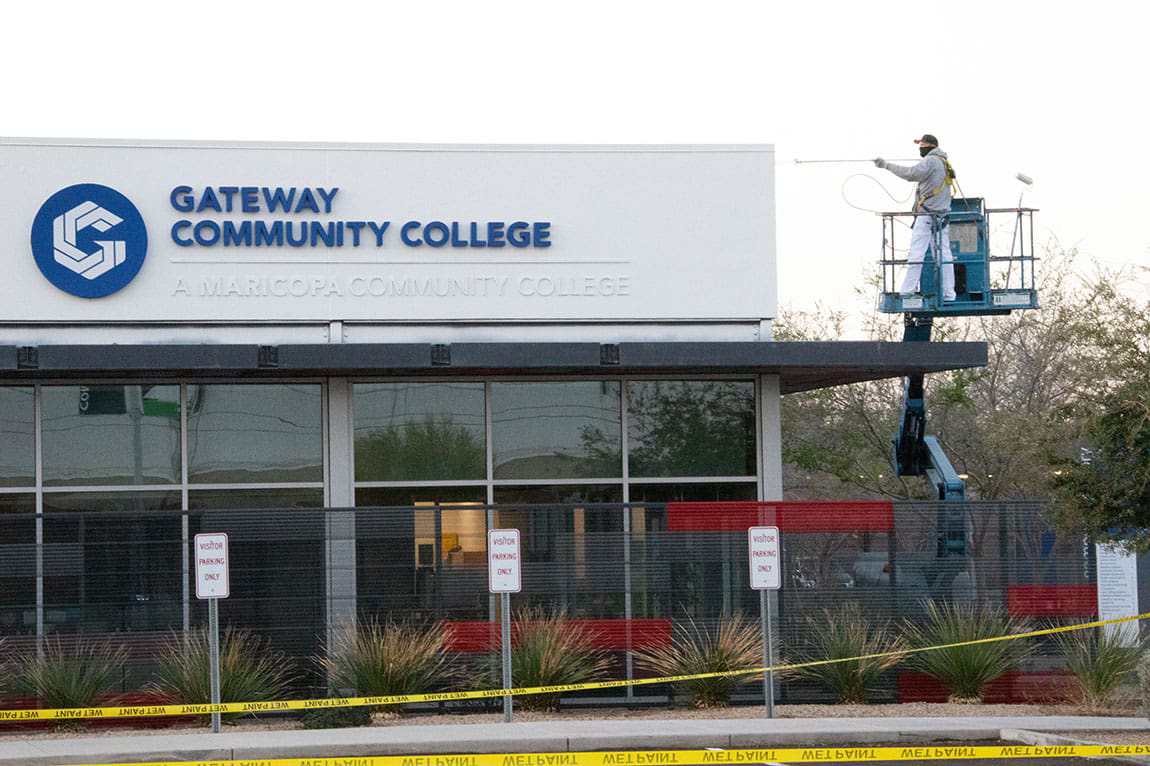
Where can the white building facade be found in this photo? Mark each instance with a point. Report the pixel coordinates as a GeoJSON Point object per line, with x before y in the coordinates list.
{"type": "Point", "coordinates": [192, 327]}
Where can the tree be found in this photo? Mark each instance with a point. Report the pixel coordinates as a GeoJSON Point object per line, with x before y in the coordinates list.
{"type": "Point", "coordinates": [1104, 492]}
{"type": "Point", "coordinates": [999, 425]}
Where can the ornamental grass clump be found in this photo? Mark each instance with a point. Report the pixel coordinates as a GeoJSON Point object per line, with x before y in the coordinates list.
{"type": "Point", "coordinates": [70, 673]}
{"type": "Point", "coordinates": [383, 658]}
{"type": "Point", "coordinates": [840, 633]}
{"type": "Point", "coordinates": [250, 670]}
{"type": "Point", "coordinates": [965, 670]}
{"type": "Point", "coordinates": [1143, 674]}
{"type": "Point", "coordinates": [548, 649]}
{"type": "Point", "coordinates": [1102, 662]}
{"type": "Point", "coordinates": [734, 644]}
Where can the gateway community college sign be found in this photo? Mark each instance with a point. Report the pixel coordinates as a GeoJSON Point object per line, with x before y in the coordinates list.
{"type": "Point", "coordinates": [248, 200]}
{"type": "Point", "coordinates": [192, 232]}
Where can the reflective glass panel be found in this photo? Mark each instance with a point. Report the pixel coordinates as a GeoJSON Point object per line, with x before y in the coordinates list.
{"type": "Point", "coordinates": [277, 544]}
{"type": "Point", "coordinates": [419, 431]}
{"type": "Point", "coordinates": [428, 559]}
{"type": "Point", "coordinates": [17, 565]}
{"type": "Point", "coordinates": [255, 433]}
{"type": "Point", "coordinates": [691, 428]}
{"type": "Point", "coordinates": [572, 555]}
{"type": "Point", "coordinates": [18, 437]}
{"type": "Point", "coordinates": [666, 493]}
{"type": "Point", "coordinates": [233, 499]}
{"type": "Point", "coordinates": [689, 561]}
{"type": "Point", "coordinates": [556, 430]}
{"type": "Point", "coordinates": [111, 435]}
{"type": "Point", "coordinates": [112, 561]}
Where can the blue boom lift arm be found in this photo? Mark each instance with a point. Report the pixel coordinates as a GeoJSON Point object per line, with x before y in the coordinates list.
{"type": "Point", "coordinates": [916, 453]}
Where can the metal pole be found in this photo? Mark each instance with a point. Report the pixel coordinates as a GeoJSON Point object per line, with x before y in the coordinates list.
{"type": "Point", "coordinates": [214, 643]}
{"type": "Point", "coordinates": [505, 618]}
{"type": "Point", "coordinates": [768, 653]}
{"type": "Point", "coordinates": [859, 159]}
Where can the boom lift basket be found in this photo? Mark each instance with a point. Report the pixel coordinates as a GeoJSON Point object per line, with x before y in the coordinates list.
{"type": "Point", "coordinates": [985, 283]}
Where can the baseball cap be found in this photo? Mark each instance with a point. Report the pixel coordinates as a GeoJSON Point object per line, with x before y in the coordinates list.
{"type": "Point", "coordinates": [927, 138]}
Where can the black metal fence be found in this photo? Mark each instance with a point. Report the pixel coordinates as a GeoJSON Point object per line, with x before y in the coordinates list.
{"type": "Point", "coordinates": [629, 572]}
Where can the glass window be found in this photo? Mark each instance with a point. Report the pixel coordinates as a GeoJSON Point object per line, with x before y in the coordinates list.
{"type": "Point", "coordinates": [255, 433]}
{"type": "Point", "coordinates": [111, 435]}
{"type": "Point", "coordinates": [691, 428]}
{"type": "Point", "coordinates": [229, 499]}
{"type": "Point", "coordinates": [647, 522]}
{"type": "Point", "coordinates": [667, 493]}
{"type": "Point", "coordinates": [17, 564]}
{"type": "Point", "coordinates": [379, 497]}
{"type": "Point", "coordinates": [559, 494]}
{"type": "Point", "coordinates": [572, 556]}
{"type": "Point", "coordinates": [547, 532]}
{"type": "Point", "coordinates": [112, 561]}
{"type": "Point", "coordinates": [556, 430]}
{"type": "Point", "coordinates": [278, 550]}
{"type": "Point", "coordinates": [676, 570]}
{"type": "Point", "coordinates": [429, 559]}
{"type": "Point", "coordinates": [419, 431]}
{"type": "Point", "coordinates": [452, 529]}
{"type": "Point", "coordinates": [18, 435]}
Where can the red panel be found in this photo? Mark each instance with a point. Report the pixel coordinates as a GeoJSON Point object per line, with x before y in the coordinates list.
{"type": "Point", "coordinates": [797, 516]}
{"type": "Point", "coordinates": [481, 636]}
{"type": "Point", "coordinates": [1052, 600]}
{"type": "Point", "coordinates": [473, 635]}
{"type": "Point", "coordinates": [1014, 687]}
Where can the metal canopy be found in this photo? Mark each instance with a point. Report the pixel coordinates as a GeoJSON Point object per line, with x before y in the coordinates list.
{"type": "Point", "coordinates": [801, 366]}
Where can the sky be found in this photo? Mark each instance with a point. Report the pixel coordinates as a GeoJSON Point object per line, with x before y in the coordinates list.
{"type": "Point", "coordinates": [1027, 87]}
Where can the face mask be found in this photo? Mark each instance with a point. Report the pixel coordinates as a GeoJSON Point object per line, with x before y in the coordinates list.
{"type": "Point", "coordinates": [925, 150]}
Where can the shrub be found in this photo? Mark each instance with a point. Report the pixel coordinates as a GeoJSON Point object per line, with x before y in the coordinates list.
{"type": "Point", "coordinates": [965, 670]}
{"type": "Point", "coordinates": [376, 658]}
{"type": "Point", "coordinates": [1101, 661]}
{"type": "Point", "coordinates": [843, 632]}
{"type": "Point", "coordinates": [250, 671]}
{"type": "Point", "coordinates": [547, 649]}
{"type": "Point", "coordinates": [1144, 686]}
{"type": "Point", "coordinates": [736, 644]}
{"type": "Point", "coordinates": [75, 673]}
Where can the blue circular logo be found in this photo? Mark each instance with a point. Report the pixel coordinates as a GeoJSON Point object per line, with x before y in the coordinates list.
{"type": "Point", "coordinates": [89, 240]}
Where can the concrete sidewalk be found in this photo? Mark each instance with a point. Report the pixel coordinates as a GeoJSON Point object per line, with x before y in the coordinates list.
{"type": "Point", "coordinates": [538, 737]}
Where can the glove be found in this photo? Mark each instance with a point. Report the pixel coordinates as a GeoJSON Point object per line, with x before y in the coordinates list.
{"type": "Point", "coordinates": [879, 162]}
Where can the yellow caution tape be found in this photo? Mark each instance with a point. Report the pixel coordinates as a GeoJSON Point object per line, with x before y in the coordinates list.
{"type": "Point", "coordinates": [756, 756]}
{"type": "Point", "coordinates": [150, 711]}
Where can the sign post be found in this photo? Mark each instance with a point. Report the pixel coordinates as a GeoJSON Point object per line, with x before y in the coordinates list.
{"type": "Point", "coordinates": [766, 575]}
{"type": "Point", "coordinates": [212, 583]}
{"type": "Point", "coordinates": [504, 576]}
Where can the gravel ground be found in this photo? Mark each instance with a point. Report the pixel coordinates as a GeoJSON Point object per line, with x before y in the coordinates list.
{"type": "Point", "coordinates": [908, 710]}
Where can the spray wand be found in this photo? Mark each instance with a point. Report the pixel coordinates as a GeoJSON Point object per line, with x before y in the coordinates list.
{"type": "Point", "coordinates": [839, 162]}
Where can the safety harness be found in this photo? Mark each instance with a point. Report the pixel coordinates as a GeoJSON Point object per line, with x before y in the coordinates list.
{"type": "Point", "coordinates": [948, 179]}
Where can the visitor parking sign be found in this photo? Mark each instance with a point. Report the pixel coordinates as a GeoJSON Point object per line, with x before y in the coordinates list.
{"type": "Point", "coordinates": [210, 552]}
{"type": "Point", "coordinates": [765, 561]}
{"type": "Point", "coordinates": [504, 573]}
